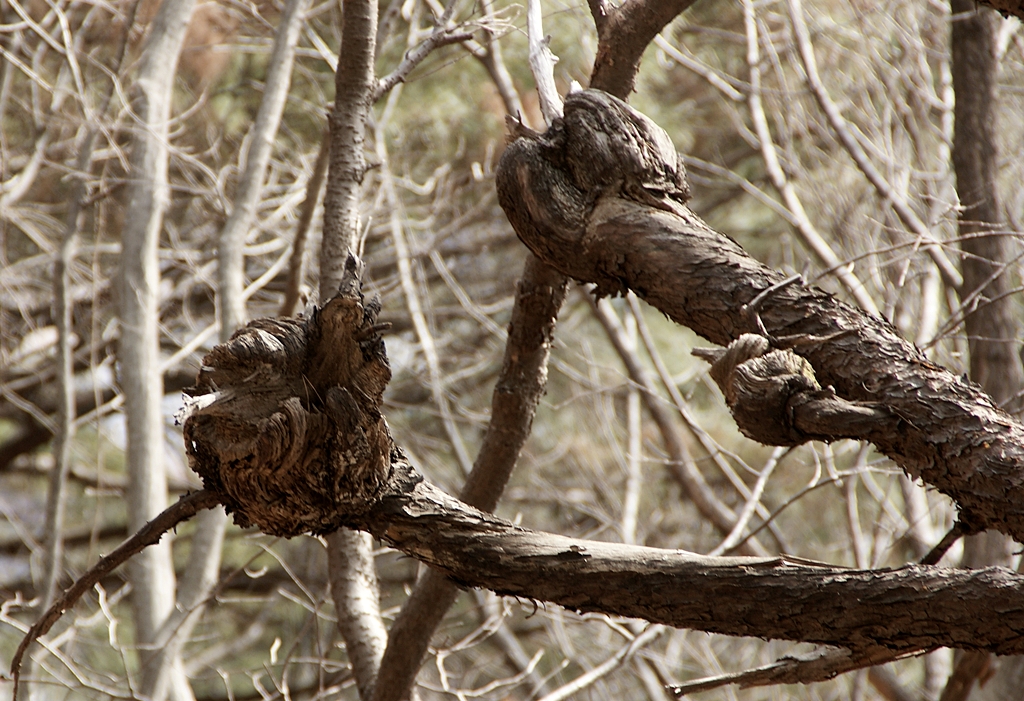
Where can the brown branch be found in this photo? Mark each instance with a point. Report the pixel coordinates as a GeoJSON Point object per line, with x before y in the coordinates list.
{"type": "Point", "coordinates": [817, 665]}
{"type": "Point", "coordinates": [520, 386]}
{"type": "Point", "coordinates": [296, 263]}
{"type": "Point", "coordinates": [608, 218]}
{"type": "Point", "coordinates": [902, 610]}
{"type": "Point", "coordinates": [971, 667]}
{"type": "Point", "coordinates": [443, 35]}
{"type": "Point", "coordinates": [185, 508]}
{"type": "Point", "coordinates": [623, 36]}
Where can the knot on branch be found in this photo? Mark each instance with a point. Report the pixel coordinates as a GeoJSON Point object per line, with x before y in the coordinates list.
{"type": "Point", "coordinates": [775, 397]}
{"type": "Point", "coordinates": [601, 147]}
{"type": "Point", "coordinates": [284, 421]}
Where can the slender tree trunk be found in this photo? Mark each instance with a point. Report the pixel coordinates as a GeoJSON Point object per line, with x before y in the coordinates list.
{"type": "Point", "coordinates": [350, 554]}
{"type": "Point", "coordinates": [152, 572]}
{"type": "Point", "coordinates": [992, 327]}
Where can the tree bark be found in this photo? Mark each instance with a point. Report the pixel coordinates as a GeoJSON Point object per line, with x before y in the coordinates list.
{"type": "Point", "coordinates": [909, 608]}
{"type": "Point", "coordinates": [354, 83]}
{"type": "Point", "coordinates": [612, 212]}
{"type": "Point", "coordinates": [350, 555]}
{"type": "Point", "coordinates": [152, 572]}
{"type": "Point", "coordinates": [990, 317]}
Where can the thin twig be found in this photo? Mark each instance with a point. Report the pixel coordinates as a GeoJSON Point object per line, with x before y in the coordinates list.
{"type": "Point", "coordinates": [443, 35]}
{"type": "Point", "coordinates": [542, 64]}
{"type": "Point", "coordinates": [185, 508]}
{"type": "Point", "coordinates": [605, 668]}
{"type": "Point", "coordinates": [820, 664]}
{"type": "Point", "coordinates": [950, 274]}
{"type": "Point", "coordinates": [231, 263]}
{"type": "Point", "coordinates": [297, 259]}
{"type": "Point", "coordinates": [954, 534]}
{"type": "Point", "coordinates": [681, 462]}
{"type": "Point", "coordinates": [810, 235]}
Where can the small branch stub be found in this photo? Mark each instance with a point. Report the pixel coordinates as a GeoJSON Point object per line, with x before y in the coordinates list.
{"type": "Point", "coordinates": [285, 419]}
{"type": "Point", "coordinates": [775, 397]}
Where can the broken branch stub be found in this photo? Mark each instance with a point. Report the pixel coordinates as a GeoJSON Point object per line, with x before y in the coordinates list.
{"type": "Point", "coordinates": [285, 420]}
{"type": "Point", "coordinates": [775, 398]}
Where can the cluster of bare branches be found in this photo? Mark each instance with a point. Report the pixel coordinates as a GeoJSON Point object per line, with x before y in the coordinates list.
{"type": "Point", "coordinates": [162, 169]}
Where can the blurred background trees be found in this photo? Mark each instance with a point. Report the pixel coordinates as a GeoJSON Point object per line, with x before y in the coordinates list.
{"type": "Point", "coordinates": [825, 137]}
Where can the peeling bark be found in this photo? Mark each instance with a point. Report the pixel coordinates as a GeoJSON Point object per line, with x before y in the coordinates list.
{"type": "Point", "coordinates": [598, 198]}
{"type": "Point", "coordinates": [285, 422]}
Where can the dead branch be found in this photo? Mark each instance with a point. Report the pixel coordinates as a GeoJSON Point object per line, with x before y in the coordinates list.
{"type": "Point", "coordinates": [182, 510]}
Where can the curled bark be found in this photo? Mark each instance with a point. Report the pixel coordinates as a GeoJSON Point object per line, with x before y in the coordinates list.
{"type": "Point", "coordinates": [588, 203]}
{"type": "Point", "coordinates": [285, 420]}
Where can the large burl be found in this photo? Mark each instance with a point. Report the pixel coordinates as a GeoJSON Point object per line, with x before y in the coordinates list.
{"type": "Point", "coordinates": [285, 420]}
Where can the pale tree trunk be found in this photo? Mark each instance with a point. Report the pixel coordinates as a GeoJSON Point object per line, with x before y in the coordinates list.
{"type": "Point", "coordinates": [350, 554]}
{"type": "Point", "coordinates": [152, 572]}
{"type": "Point", "coordinates": [991, 325]}
{"type": "Point", "coordinates": [201, 573]}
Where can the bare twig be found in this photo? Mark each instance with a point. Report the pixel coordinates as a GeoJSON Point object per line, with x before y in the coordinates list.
{"type": "Point", "coordinates": [297, 261]}
{"type": "Point", "coordinates": [818, 665]}
{"type": "Point", "coordinates": [681, 463]}
{"type": "Point", "coordinates": [231, 278]}
{"type": "Point", "coordinates": [443, 35]}
{"type": "Point", "coordinates": [607, 667]}
{"type": "Point", "coordinates": [542, 63]}
{"type": "Point", "coordinates": [753, 501]}
{"type": "Point", "coordinates": [182, 510]}
{"type": "Point", "coordinates": [903, 210]}
{"type": "Point", "coordinates": [804, 227]}
{"type": "Point", "coordinates": [958, 531]}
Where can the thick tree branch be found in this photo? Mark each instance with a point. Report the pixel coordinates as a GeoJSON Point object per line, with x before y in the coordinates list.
{"type": "Point", "coordinates": [285, 429]}
{"type": "Point", "coordinates": [902, 610]}
{"type": "Point", "coordinates": [606, 218]}
{"type": "Point", "coordinates": [623, 35]}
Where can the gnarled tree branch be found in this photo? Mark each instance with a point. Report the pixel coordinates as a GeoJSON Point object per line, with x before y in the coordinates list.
{"type": "Point", "coordinates": [601, 198]}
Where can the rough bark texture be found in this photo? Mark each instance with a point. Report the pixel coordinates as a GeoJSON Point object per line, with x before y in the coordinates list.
{"type": "Point", "coordinates": [902, 610]}
{"type": "Point", "coordinates": [909, 608]}
{"type": "Point", "coordinates": [286, 423]}
{"type": "Point", "coordinates": [582, 198]}
{"type": "Point", "coordinates": [354, 83]}
{"type": "Point", "coordinates": [991, 312]}
{"type": "Point", "coordinates": [623, 35]}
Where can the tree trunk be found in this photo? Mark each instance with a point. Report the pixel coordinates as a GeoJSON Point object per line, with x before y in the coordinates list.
{"type": "Point", "coordinates": [152, 572]}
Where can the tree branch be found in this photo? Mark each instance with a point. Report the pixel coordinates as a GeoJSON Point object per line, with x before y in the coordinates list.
{"type": "Point", "coordinates": [902, 610]}
{"type": "Point", "coordinates": [623, 35]}
{"type": "Point", "coordinates": [520, 386]}
{"type": "Point", "coordinates": [182, 510]}
{"type": "Point", "coordinates": [607, 219]}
